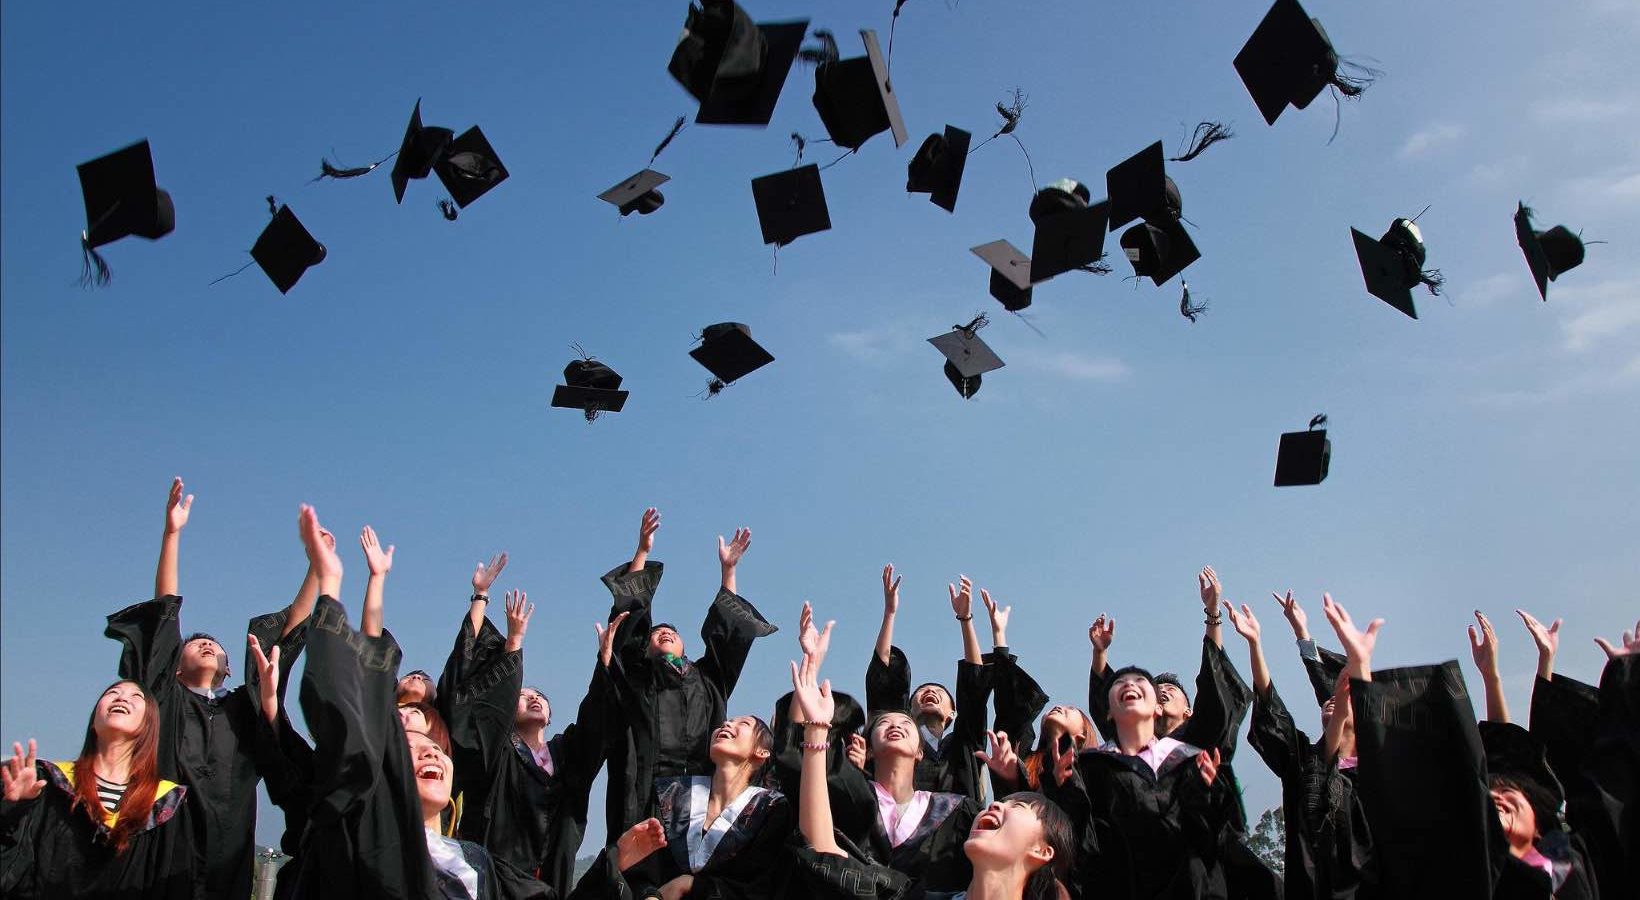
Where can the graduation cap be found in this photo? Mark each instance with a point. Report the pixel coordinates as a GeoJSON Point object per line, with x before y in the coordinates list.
{"type": "Point", "coordinates": [1290, 60]}
{"type": "Point", "coordinates": [735, 68]}
{"type": "Point", "coordinates": [285, 250]}
{"type": "Point", "coordinates": [854, 97]}
{"type": "Point", "coordinates": [1303, 456]}
{"type": "Point", "coordinates": [937, 167]}
{"type": "Point", "coordinates": [1159, 250]}
{"type": "Point", "coordinates": [729, 353]}
{"type": "Point", "coordinates": [1139, 188]}
{"type": "Point", "coordinates": [1549, 253]}
{"type": "Point", "coordinates": [637, 194]}
{"type": "Point", "coordinates": [967, 357]}
{"type": "Point", "coordinates": [121, 199]}
{"type": "Point", "coordinates": [1010, 274]}
{"type": "Point", "coordinates": [791, 204]}
{"type": "Point", "coordinates": [590, 386]}
{"type": "Point", "coordinates": [1070, 234]}
{"type": "Point", "coordinates": [1393, 265]}
{"type": "Point", "coordinates": [421, 148]}
{"type": "Point", "coordinates": [469, 167]}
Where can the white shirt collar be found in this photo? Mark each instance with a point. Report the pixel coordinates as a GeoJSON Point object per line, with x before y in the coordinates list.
{"type": "Point", "coordinates": [448, 858]}
{"type": "Point", "coordinates": [703, 838]}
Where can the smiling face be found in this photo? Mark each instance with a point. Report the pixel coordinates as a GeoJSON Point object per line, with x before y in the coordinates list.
{"type": "Point", "coordinates": [741, 740]}
{"type": "Point", "coordinates": [1173, 707]}
{"type": "Point", "coordinates": [1008, 833]}
{"type": "Point", "coordinates": [1517, 817]}
{"type": "Point", "coordinates": [894, 734]}
{"type": "Point", "coordinates": [417, 688]}
{"type": "Point", "coordinates": [201, 657]}
{"type": "Point", "coordinates": [120, 712]}
{"type": "Point", "coordinates": [413, 719]}
{"type": "Point", "coordinates": [663, 640]}
{"type": "Point", "coordinates": [533, 709]}
{"type": "Point", "coordinates": [933, 700]}
{"type": "Point", "coordinates": [1069, 721]}
{"type": "Point", "coordinates": [1132, 698]}
{"type": "Point", "coordinates": [434, 773]}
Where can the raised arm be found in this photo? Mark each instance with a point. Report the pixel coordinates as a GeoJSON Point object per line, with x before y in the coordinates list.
{"type": "Point", "coordinates": [962, 605]}
{"type": "Point", "coordinates": [1358, 644]}
{"type": "Point", "coordinates": [1547, 640]}
{"type": "Point", "coordinates": [999, 620]}
{"type": "Point", "coordinates": [1101, 634]}
{"type": "Point", "coordinates": [484, 575]}
{"type": "Point", "coordinates": [1246, 625]}
{"type": "Point", "coordinates": [380, 562]}
{"type": "Point", "coordinates": [1483, 644]}
{"type": "Point", "coordinates": [519, 610]}
{"type": "Point", "coordinates": [891, 605]}
{"type": "Point", "coordinates": [301, 606]}
{"type": "Point", "coordinates": [177, 507]}
{"type": "Point", "coordinates": [729, 555]}
{"type": "Point", "coordinates": [732, 624]}
{"type": "Point", "coordinates": [815, 706]}
{"type": "Point", "coordinates": [650, 524]}
{"type": "Point", "coordinates": [1212, 596]}
{"type": "Point", "coordinates": [267, 681]}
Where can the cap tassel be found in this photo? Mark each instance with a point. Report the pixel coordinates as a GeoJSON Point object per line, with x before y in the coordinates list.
{"type": "Point", "coordinates": [1188, 309]}
{"type": "Point", "coordinates": [974, 325]}
{"type": "Point", "coordinates": [1318, 421]}
{"type": "Point", "coordinates": [1432, 279]}
{"type": "Point", "coordinates": [1097, 267]}
{"type": "Point", "coordinates": [1206, 135]}
{"type": "Point", "coordinates": [93, 268]}
{"type": "Point", "coordinates": [327, 169]}
{"type": "Point", "coordinates": [825, 54]}
{"type": "Point", "coordinates": [676, 128]}
{"type": "Point", "coordinates": [448, 208]}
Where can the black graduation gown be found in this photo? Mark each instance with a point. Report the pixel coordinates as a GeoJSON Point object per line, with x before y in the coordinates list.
{"type": "Point", "coordinates": [949, 766]}
{"type": "Point", "coordinates": [854, 876]}
{"type": "Point", "coordinates": [1329, 846]}
{"type": "Point", "coordinates": [1145, 834]}
{"type": "Point", "coordinates": [665, 714]}
{"type": "Point", "coordinates": [750, 861]}
{"type": "Point", "coordinates": [1019, 700]}
{"type": "Point", "coordinates": [48, 849]}
{"type": "Point", "coordinates": [216, 746]}
{"type": "Point", "coordinates": [510, 805]}
{"type": "Point", "coordinates": [853, 802]}
{"type": "Point", "coordinates": [1603, 785]}
{"type": "Point", "coordinates": [1216, 711]}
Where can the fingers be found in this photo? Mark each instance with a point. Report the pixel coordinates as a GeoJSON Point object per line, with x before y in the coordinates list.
{"type": "Point", "coordinates": [1372, 629]}
{"type": "Point", "coordinates": [1555, 628]}
{"type": "Point", "coordinates": [1611, 652]}
{"type": "Point", "coordinates": [28, 761]}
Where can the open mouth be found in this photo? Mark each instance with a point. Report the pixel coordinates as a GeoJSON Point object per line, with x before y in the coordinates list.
{"type": "Point", "coordinates": [1130, 695]}
{"type": "Point", "coordinates": [990, 820]}
{"type": "Point", "coordinates": [119, 707]}
{"type": "Point", "coordinates": [725, 733]}
{"type": "Point", "coordinates": [430, 772]}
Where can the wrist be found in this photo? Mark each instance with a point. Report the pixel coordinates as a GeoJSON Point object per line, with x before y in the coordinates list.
{"type": "Point", "coordinates": [479, 597]}
{"type": "Point", "coordinates": [965, 618]}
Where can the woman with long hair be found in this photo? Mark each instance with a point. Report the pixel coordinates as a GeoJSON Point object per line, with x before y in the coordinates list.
{"type": "Point", "coordinates": [103, 825]}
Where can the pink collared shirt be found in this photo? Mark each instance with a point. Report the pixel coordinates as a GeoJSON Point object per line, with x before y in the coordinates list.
{"type": "Point", "coordinates": [543, 757]}
{"type": "Point", "coordinates": [1153, 755]}
{"type": "Point", "coordinates": [899, 824]}
{"type": "Point", "coordinates": [1533, 858]}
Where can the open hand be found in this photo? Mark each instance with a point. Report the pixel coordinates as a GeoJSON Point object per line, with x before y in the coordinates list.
{"type": "Point", "coordinates": [1358, 644]}
{"type": "Point", "coordinates": [1295, 615]}
{"type": "Point", "coordinates": [1002, 759]}
{"type": "Point", "coordinates": [21, 779]}
{"type": "Point", "coordinates": [1212, 593]}
{"type": "Point", "coordinates": [177, 507]}
{"type": "Point", "coordinates": [999, 615]}
{"type": "Point", "coordinates": [519, 610]}
{"type": "Point", "coordinates": [729, 554]}
{"type": "Point", "coordinates": [891, 591]}
{"type": "Point", "coordinates": [814, 643]}
{"type": "Point", "coordinates": [606, 637]}
{"type": "Point", "coordinates": [380, 561]}
{"type": "Point", "coordinates": [1630, 644]}
{"type": "Point", "coordinates": [485, 574]}
{"type": "Point", "coordinates": [1245, 623]}
{"type": "Point", "coordinates": [1102, 632]}
{"type": "Point", "coordinates": [1484, 646]}
{"type": "Point", "coordinates": [857, 751]}
{"type": "Point", "coordinates": [646, 530]}
{"type": "Point", "coordinates": [962, 598]}
{"type": "Point", "coordinates": [1207, 763]}
{"type": "Point", "coordinates": [638, 843]}
{"type": "Point", "coordinates": [267, 672]}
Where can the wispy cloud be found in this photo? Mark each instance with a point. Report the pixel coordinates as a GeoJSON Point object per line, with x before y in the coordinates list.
{"type": "Point", "coordinates": [1497, 171]}
{"type": "Point", "coordinates": [1435, 137]}
{"type": "Point", "coordinates": [1621, 186]}
{"type": "Point", "coordinates": [1581, 110]}
{"type": "Point", "coordinates": [1492, 288]}
{"type": "Point", "coordinates": [1080, 368]}
{"type": "Point", "coordinates": [868, 344]}
{"type": "Point", "coordinates": [1598, 311]}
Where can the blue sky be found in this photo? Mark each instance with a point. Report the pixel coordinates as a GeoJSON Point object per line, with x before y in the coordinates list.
{"type": "Point", "coordinates": [1482, 456]}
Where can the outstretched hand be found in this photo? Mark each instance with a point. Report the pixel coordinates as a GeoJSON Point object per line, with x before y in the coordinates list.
{"type": "Point", "coordinates": [999, 616]}
{"type": "Point", "coordinates": [650, 524]}
{"type": "Point", "coordinates": [1207, 763]}
{"type": "Point", "coordinates": [1547, 639]}
{"type": "Point", "coordinates": [177, 507]}
{"type": "Point", "coordinates": [1295, 615]}
{"type": "Point", "coordinates": [1245, 623]}
{"type": "Point", "coordinates": [1212, 593]}
{"type": "Point", "coordinates": [606, 637]}
{"type": "Point", "coordinates": [21, 779]}
{"type": "Point", "coordinates": [1358, 644]}
{"type": "Point", "coordinates": [812, 696]}
{"type": "Point", "coordinates": [267, 672]}
{"type": "Point", "coordinates": [1003, 759]}
{"type": "Point", "coordinates": [485, 574]}
{"type": "Point", "coordinates": [321, 553]}
{"type": "Point", "coordinates": [962, 598]}
{"type": "Point", "coordinates": [1483, 645]}
{"type": "Point", "coordinates": [638, 843]}
{"type": "Point", "coordinates": [813, 642]}
{"type": "Point", "coordinates": [519, 610]}
{"type": "Point", "coordinates": [380, 561]}
{"type": "Point", "coordinates": [729, 553]}
{"type": "Point", "coordinates": [1062, 761]}
{"type": "Point", "coordinates": [891, 591]}
{"type": "Point", "coordinates": [1102, 632]}
{"type": "Point", "coordinates": [1630, 644]}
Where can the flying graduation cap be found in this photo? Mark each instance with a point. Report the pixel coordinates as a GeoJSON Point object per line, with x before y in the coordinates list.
{"type": "Point", "coordinates": [423, 146]}
{"type": "Point", "coordinates": [1010, 274]}
{"type": "Point", "coordinates": [1394, 264]}
{"type": "Point", "coordinates": [729, 353]}
{"type": "Point", "coordinates": [121, 199]}
{"type": "Point", "coordinates": [854, 97]}
{"type": "Point", "coordinates": [469, 167]}
{"type": "Point", "coordinates": [735, 68]}
{"type": "Point", "coordinates": [1303, 456]}
{"type": "Point", "coordinates": [637, 194]}
{"type": "Point", "coordinates": [1140, 188]}
{"type": "Point", "coordinates": [967, 357]}
{"type": "Point", "coordinates": [591, 387]}
{"type": "Point", "coordinates": [937, 167]}
{"type": "Point", "coordinates": [1289, 60]}
{"type": "Point", "coordinates": [1549, 253]}
{"type": "Point", "coordinates": [791, 204]}
{"type": "Point", "coordinates": [1070, 233]}
{"type": "Point", "coordinates": [285, 250]}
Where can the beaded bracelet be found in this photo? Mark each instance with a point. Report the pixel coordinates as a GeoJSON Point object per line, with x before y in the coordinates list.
{"type": "Point", "coordinates": [816, 745]}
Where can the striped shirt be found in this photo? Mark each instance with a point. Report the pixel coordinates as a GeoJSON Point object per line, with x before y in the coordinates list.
{"type": "Point", "coordinates": [110, 794]}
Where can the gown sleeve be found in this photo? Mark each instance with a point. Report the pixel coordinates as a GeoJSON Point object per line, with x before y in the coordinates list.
{"type": "Point", "coordinates": [482, 709]}
{"type": "Point", "coordinates": [974, 683]}
{"type": "Point", "coordinates": [1562, 718]}
{"type": "Point", "coordinates": [732, 624]}
{"type": "Point", "coordinates": [1099, 700]}
{"type": "Point", "coordinates": [1322, 669]}
{"type": "Point", "coordinates": [1019, 700]}
{"type": "Point", "coordinates": [348, 681]}
{"type": "Point", "coordinates": [888, 686]}
{"type": "Point", "coordinates": [1275, 738]}
{"type": "Point", "coordinates": [1220, 704]}
{"type": "Point", "coordinates": [150, 640]}
{"type": "Point", "coordinates": [1603, 797]}
{"type": "Point", "coordinates": [472, 653]}
{"type": "Point", "coordinates": [582, 743]}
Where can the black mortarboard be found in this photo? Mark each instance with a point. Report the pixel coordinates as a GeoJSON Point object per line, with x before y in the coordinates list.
{"type": "Point", "coordinates": [1070, 233]}
{"type": "Point", "coordinates": [1549, 253]}
{"type": "Point", "coordinates": [1010, 274]}
{"type": "Point", "coordinates": [937, 167]}
{"type": "Point", "coordinates": [1159, 250]}
{"type": "Point", "coordinates": [1139, 188]}
{"type": "Point", "coordinates": [967, 357]}
{"type": "Point", "coordinates": [855, 100]}
{"type": "Point", "coordinates": [1289, 60]}
{"type": "Point", "coordinates": [735, 68]}
{"type": "Point", "coordinates": [1393, 264]}
{"type": "Point", "coordinates": [1303, 456]}
{"type": "Point", "coordinates": [470, 167]}
{"type": "Point", "coordinates": [422, 147]}
{"type": "Point", "coordinates": [121, 199]}
{"type": "Point", "coordinates": [285, 250]}
{"type": "Point", "coordinates": [729, 353]}
{"type": "Point", "coordinates": [591, 387]}
{"type": "Point", "coordinates": [791, 204]}
{"type": "Point", "coordinates": [637, 194]}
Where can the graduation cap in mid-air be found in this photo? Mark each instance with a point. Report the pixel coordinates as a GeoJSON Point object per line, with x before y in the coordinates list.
{"type": "Point", "coordinates": [1159, 251]}
{"type": "Point", "coordinates": [729, 353]}
{"type": "Point", "coordinates": [736, 68]}
{"type": "Point", "coordinates": [469, 167]}
{"type": "Point", "coordinates": [1303, 456]}
{"type": "Point", "coordinates": [1010, 274]}
{"type": "Point", "coordinates": [1289, 60]}
{"type": "Point", "coordinates": [1394, 264]}
{"type": "Point", "coordinates": [967, 357]}
{"type": "Point", "coordinates": [637, 194]}
{"type": "Point", "coordinates": [937, 167]}
{"type": "Point", "coordinates": [1070, 232]}
{"type": "Point", "coordinates": [854, 97]}
{"type": "Point", "coordinates": [791, 204]}
{"type": "Point", "coordinates": [285, 250]}
{"type": "Point", "coordinates": [591, 387]}
{"type": "Point", "coordinates": [1549, 253]}
{"type": "Point", "coordinates": [423, 146]}
{"type": "Point", "coordinates": [121, 199]}
{"type": "Point", "coordinates": [1140, 188]}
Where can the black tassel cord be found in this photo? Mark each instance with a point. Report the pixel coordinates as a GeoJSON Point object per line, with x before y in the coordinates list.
{"type": "Point", "coordinates": [1351, 79]}
{"type": "Point", "coordinates": [273, 210]}
{"type": "Point", "coordinates": [327, 169]}
{"type": "Point", "coordinates": [448, 208]}
{"type": "Point", "coordinates": [1188, 309]}
{"type": "Point", "coordinates": [1011, 113]}
{"type": "Point", "coordinates": [93, 268]}
{"type": "Point", "coordinates": [1206, 135]}
{"type": "Point", "coordinates": [677, 127]}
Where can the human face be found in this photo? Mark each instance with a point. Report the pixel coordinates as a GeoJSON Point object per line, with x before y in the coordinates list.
{"type": "Point", "coordinates": [1007, 833]}
{"type": "Point", "coordinates": [736, 740]}
{"type": "Point", "coordinates": [434, 772]}
{"type": "Point", "coordinates": [200, 656]}
{"type": "Point", "coordinates": [1066, 720]}
{"type": "Point", "coordinates": [1172, 706]}
{"type": "Point", "coordinates": [533, 709]}
{"type": "Point", "coordinates": [665, 640]}
{"type": "Point", "coordinates": [416, 687]}
{"type": "Point", "coordinates": [121, 711]}
{"type": "Point", "coordinates": [894, 734]}
{"type": "Point", "coordinates": [931, 699]}
{"type": "Point", "coordinates": [1516, 816]}
{"type": "Point", "coordinates": [1133, 697]}
{"type": "Point", "coordinates": [413, 719]}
